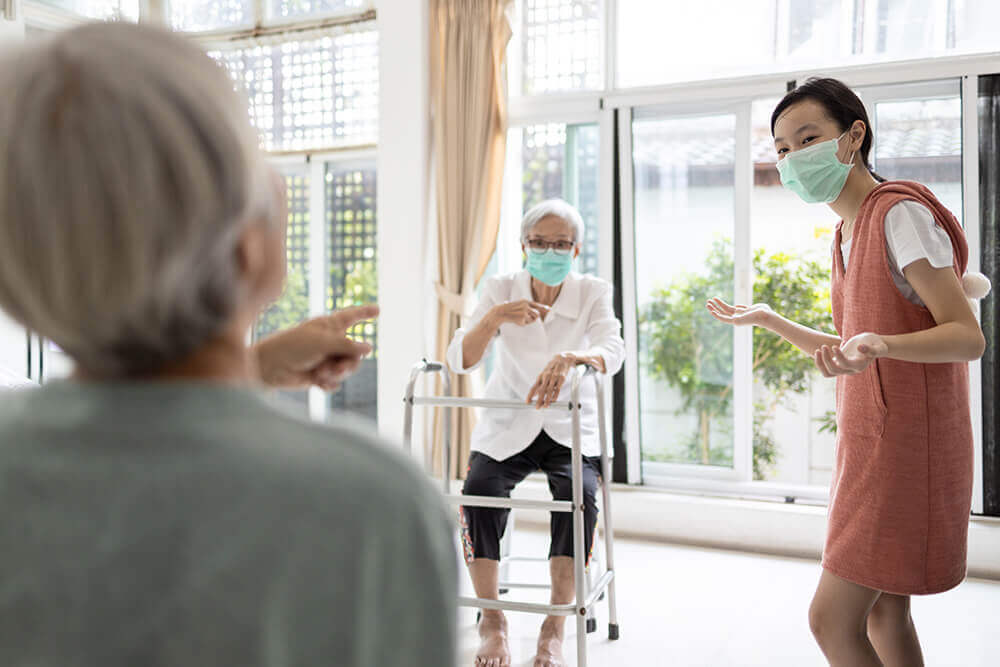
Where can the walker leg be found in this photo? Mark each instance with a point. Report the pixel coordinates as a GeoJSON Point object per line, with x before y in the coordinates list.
{"type": "Point", "coordinates": [609, 546]}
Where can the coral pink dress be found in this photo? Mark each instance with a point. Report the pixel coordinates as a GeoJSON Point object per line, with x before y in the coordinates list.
{"type": "Point", "coordinates": [902, 481]}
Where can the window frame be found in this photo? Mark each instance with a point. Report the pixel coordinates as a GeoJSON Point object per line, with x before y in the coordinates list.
{"type": "Point", "coordinates": [878, 84]}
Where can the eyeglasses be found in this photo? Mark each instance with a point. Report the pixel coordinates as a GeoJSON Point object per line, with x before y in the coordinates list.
{"type": "Point", "coordinates": [539, 246]}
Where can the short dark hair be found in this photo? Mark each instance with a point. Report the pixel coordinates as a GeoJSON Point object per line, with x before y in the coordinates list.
{"type": "Point", "coordinates": [841, 105]}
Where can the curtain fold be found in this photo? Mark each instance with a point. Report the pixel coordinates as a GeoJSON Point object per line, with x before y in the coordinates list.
{"type": "Point", "coordinates": [468, 44]}
{"type": "Point", "coordinates": [989, 201]}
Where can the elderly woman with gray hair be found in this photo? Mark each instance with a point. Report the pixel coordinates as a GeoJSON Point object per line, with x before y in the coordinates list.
{"type": "Point", "coordinates": [155, 510]}
{"type": "Point", "coordinates": [545, 320]}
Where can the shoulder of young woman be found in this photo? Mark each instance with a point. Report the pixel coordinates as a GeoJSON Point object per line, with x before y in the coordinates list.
{"type": "Point", "coordinates": [911, 234]}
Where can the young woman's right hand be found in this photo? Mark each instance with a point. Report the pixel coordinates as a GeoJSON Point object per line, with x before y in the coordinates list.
{"type": "Point", "coordinates": [757, 315]}
{"type": "Point", "coordinates": [520, 313]}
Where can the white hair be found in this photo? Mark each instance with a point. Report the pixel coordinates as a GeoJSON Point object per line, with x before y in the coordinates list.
{"type": "Point", "coordinates": [129, 171]}
{"type": "Point", "coordinates": [556, 208]}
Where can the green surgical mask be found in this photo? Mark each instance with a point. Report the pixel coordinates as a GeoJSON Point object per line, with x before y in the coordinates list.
{"type": "Point", "coordinates": [548, 266]}
{"type": "Point", "coordinates": [815, 174]}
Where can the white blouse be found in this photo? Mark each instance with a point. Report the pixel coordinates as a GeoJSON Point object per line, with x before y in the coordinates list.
{"type": "Point", "coordinates": [582, 319]}
{"type": "Point", "coordinates": [910, 235]}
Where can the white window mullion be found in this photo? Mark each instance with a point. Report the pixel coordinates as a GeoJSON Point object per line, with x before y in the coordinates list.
{"type": "Point", "coordinates": [629, 298]}
{"type": "Point", "coordinates": [610, 42]}
{"type": "Point", "coordinates": [971, 220]}
{"type": "Point", "coordinates": [606, 232]}
{"type": "Point", "coordinates": [318, 273]}
{"type": "Point", "coordinates": [743, 293]}
{"type": "Point", "coordinates": [508, 248]}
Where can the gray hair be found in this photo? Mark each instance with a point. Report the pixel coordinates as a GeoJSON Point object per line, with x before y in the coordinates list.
{"type": "Point", "coordinates": [556, 208]}
{"type": "Point", "coordinates": [129, 171]}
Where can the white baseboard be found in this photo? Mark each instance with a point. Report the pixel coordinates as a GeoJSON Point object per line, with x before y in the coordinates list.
{"type": "Point", "coordinates": [745, 525]}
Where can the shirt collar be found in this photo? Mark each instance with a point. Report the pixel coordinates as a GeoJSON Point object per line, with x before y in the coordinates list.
{"type": "Point", "coordinates": [567, 303]}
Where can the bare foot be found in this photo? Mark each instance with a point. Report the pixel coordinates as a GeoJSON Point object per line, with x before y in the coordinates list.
{"type": "Point", "coordinates": [550, 641]}
{"type": "Point", "coordinates": [494, 650]}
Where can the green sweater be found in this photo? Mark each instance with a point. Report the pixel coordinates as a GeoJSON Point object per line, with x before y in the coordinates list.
{"type": "Point", "coordinates": [183, 524]}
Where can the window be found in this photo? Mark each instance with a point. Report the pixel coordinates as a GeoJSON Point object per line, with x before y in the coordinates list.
{"type": "Point", "coordinates": [311, 94]}
{"type": "Point", "coordinates": [666, 42]}
{"type": "Point", "coordinates": [683, 203]}
{"type": "Point", "coordinates": [793, 405]}
{"type": "Point", "coordinates": [752, 410]}
{"type": "Point", "coordinates": [353, 272]}
{"type": "Point", "coordinates": [559, 43]}
{"type": "Point", "coordinates": [300, 9]}
{"type": "Point", "coordinates": [921, 140]}
{"type": "Point", "coordinates": [293, 306]}
{"type": "Point", "coordinates": [202, 15]}
{"type": "Point", "coordinates": [104, 10]}
{"type": "Point", "coordinates": [313, 97]}
{"type": "Point", "coordinates": [555, 160]}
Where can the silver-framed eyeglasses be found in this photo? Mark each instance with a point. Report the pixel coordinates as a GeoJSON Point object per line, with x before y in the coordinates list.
{"type": "Point", "coordinates": [539, 246]}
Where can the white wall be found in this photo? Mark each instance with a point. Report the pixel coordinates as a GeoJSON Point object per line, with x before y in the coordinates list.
{"type": "Point", "coordinates": [405, 289]}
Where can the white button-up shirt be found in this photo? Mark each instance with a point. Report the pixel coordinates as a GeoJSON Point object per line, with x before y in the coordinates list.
{"type": "Point", "coordinates": [581, 320]}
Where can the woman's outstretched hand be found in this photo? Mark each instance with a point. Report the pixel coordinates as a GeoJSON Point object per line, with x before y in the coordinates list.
{"type": "Point", "coordinates": [317, 352]}
{"type": "Point", "coordinates": [852, 357]}
{"type": "Point", "coordinates": [757, 315]}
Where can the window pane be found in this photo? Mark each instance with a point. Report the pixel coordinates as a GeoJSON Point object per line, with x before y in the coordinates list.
{"type": "Point", "coordinates": [351, 226]}
{"type": "Point", "coordinates": [560, 161]}
{"type": "Point", "coordinates": [791, 241]}
{"type": "Point", "coordinates": [306, 8]}
{"type": "Point", "coordinates": [662, 42]}
{"type": "Point", "coordinates": [976, 25]}
{"type": "Point", "coordinates": [665, 42]}
{"type": "Point", "coordinates": [104, 10]}
{"type": "Point", "coordinates": [921, 140]}
{"type": "Point", "coordinates": [200, 15]}
{"type": "Point", "coordinates": [684, 176]}
{"type": "Point", "coordinates": [293, 305]}
{"type": "Point", "coordinates": [312, 94]}
{"type": "Point", "coordinates": [560, 45]}
{"type": "Point", "coordinates": [902, 28]}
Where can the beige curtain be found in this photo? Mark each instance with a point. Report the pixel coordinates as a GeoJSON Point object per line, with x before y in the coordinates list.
{"type": "Point", "coordinates": [469, 124]}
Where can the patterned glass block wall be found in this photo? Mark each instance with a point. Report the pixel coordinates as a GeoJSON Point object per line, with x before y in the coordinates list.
{"type": "Point", "coordinates": [561, 161]}
{"type": "Point", "coordinates": [311, 94]}
{"type": "Point", "coordinates": [293, 306]}
{"type": "Point", "coordinates": [253, 68]}
{"type": "Point", "coordinates": [561, 45]}
{"type": "Point", "coordinates": [102, 10]}
{"type": "Point", "coordinates": [308, 8]}
{"type": "Point", "coordinates": [202, 15]}
{"type": "Point", "coordinates": [351, 227]}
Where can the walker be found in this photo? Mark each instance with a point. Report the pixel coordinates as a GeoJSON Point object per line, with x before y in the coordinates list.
{"type": "Point", "coordinates": [588, 593]}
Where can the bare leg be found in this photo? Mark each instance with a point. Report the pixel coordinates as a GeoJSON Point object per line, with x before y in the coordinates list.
{"type": "Point", "coordinates": [892, 633]}
{"type": "Point", "coordinates": [494, 650]}
{"type": "Point", "coordinates": [838, 617]}
{"type": "Point", "coordinates": [550, 639]}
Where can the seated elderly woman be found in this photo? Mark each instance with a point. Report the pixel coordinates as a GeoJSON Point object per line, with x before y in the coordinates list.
{"type": "Point", "coordinates": [545, 319]}
{"type": "Point", "coordinates": [155, 510]}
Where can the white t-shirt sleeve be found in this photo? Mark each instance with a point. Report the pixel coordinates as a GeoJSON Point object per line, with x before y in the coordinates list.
{"type": "Point", "coordinates": [911, 234]}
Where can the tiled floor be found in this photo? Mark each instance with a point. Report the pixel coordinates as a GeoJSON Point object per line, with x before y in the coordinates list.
{"type": "Point", "coordinates": [685, 607]}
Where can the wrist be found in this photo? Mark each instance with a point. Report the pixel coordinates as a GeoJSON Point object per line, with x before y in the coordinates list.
{"type": "Point", "coordinates": [258, 359]}
{"type": "Point", "coordinates": [493, 318]}
{"type": "Point", "coordinates": [769, 320]}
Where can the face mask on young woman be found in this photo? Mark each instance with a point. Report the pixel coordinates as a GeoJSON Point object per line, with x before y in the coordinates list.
{"type": "Point", "coordinates": [816, 174]}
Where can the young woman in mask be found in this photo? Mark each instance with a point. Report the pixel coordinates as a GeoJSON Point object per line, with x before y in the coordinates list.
{"type": "Point", "coordinates": [544, 320]}
{"type": "Point", "coordinates": [902, 481]}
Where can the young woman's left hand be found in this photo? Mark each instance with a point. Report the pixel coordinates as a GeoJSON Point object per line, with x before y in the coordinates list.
{"type": "Point", "coordinates": [851, 357]}
{"type": "Point", "coordinates": [546, 389]}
